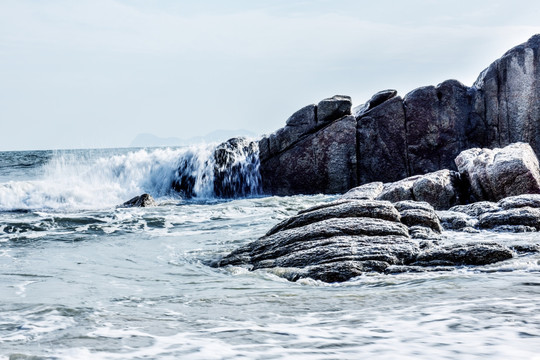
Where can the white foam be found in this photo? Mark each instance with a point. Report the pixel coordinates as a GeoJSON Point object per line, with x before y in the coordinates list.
{"type": "Point", "coordinates": [75, 182]}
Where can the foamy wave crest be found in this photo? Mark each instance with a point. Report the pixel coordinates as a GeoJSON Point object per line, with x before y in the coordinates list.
{"type": "Point", "coordinates": [78, 181]}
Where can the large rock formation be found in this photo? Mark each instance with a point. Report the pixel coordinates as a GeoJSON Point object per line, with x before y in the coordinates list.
{"type": "Point", "coordinates": [392, 137]}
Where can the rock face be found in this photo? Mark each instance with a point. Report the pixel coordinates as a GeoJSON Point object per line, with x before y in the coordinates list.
{"type": "Point", "coordinates": [343, 239]}
{"type": "Point", "coordinates": [394, 138]}
{"type": "Point", "coordinates": [499, 173]}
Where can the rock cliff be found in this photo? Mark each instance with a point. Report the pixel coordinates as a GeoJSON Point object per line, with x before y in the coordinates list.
{"type": "Point", "coordinates": [329, 147]}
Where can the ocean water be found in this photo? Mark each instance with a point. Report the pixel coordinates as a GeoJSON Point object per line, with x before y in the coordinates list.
{"type": "Point", "coordinates": [81, 278]}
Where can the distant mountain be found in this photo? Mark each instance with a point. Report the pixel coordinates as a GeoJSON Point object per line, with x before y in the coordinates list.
{"type": "Point", "coordinates": [150, 140]}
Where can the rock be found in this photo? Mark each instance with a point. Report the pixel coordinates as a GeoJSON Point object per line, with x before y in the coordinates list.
{"type": "Point", "coordinates": [476, 209]}
{"type": "Point", "coordinates": [418, 214]}
{"type": "Point", "coordinates": [376, 100]}
{"type": "Point", "coordinates": [322, 162]}
{"type": "Point", "coordinates": [333, 108]}
{"type": "Point", "coordinates": [464, 254]}
{"type": "Point", "coordinates": [297, 126]}
{"type": "Point", "coordinates": [381, 141]}
{"type": "Point", "coordinates": [507, 97]}
{"type": "Point", "coordinates": [512, 202]}
{"type": "Point", "coordinates": [454, 220]}
{"type": "Point", "coordinates": [499, 173]}
{"type": "Point", "coordinates": [399, 190]}
{"type": "Point", "coordinates": [367, 191]}
{"type": "Point", "coordinates": [357, 208]}
{"type": "Point", "coordinates": [442, 189]}
{"type": "Point", "coordinates": [236, 168]}
{"type": "Point", "coordinates": [513, 228]}
{"type": "Point", "coordinates": [437, 126]}
{"type": "Point", "coordinates": [525, 216]}
{"type": "Point", "coordinates": [143, 200]}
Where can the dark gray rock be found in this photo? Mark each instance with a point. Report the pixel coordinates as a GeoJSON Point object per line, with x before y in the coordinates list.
{"type": "Point", "coordinates": [333, 108]}
{"type": "Point", "coordinates": [356, 208]}
{"type": "Point", "coordinates": [143, 200]}
{"type": "Point", "coordinates": [376, 100]}
{"type": "Point", "coordinates": [525, 216]}
{"type": "Point", "coordinates": [234, 178]}
{"type": "Point", "coordinates": [464, 254]}
{"type": "Point", "coordinates": [367, 191]}
{"type": "Point", "coordinates": [512, 202]}
{"type": "Point", "coordinates": [442, 189]}
{"type": "Point", "coordinates": [297, 126]}
{"type": "Point", "coordinates": [476, 209]}
{"type": "Point", "coordinates": [322, 162]}
{"type": "Point", "coordinates": [507, 97]}
{"type": "Point", "coordinates": [382, 151]}
{"type": "Point", "coordinates": [436, 120]}
{"type": "Point", "coordinates": [420, 217]}
{"type": "Point", "coordinates": [499, 173]}
{"type": "Point", "coordinates": [456, 221]}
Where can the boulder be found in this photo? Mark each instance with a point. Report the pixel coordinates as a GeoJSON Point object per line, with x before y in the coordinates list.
{"type": "Point", "coordinates": [333, 108]}
{"type": "Point", "coordinates": [512, 202]}
{"type": "Point", "coordinates": [416, 213]}
{"type": "Point", "coordinates": [507, 97]}
{"type": "Point", "coordinates": [236, 168]}
{"type": "Point", "coordinates": [376, 100]}
{"type": "Point", "coordinates": [499, 173]}
{"type": "Point", "coordinates": [322, 162]}
{"type": "Point", "coordinates": [367, 192]}
{"type": "Point", "coordinates": [442, 189]}
{"type": "Point", "coordinates": [436, 119]}
{"type": "Point", "coordinates": [523, 216]}
{"type": "Point", "coordinates": [143, 200]}
{"type": "Point", "coordinates": [476, 209]}
{"type": "Point", "coordinates": [381, 142]}
{"type": "Point", "coordinates": [464, 254]}
{"type": "Point", "coordinates": [456, 221]}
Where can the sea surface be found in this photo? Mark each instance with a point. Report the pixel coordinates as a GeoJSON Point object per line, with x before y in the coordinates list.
{"type": "Point", "coordinates": [81, 278]}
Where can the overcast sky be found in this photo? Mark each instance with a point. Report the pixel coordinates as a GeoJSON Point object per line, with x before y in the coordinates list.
{"type": "Point", "coordinates": [80, 74]}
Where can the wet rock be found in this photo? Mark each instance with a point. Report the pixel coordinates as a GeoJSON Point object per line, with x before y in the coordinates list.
{"type": "Point", "coordinates": [423, 232]}
{"type": "Point", "coordinates": [476, 209]}
{"type": "Point", "coordinates": [382, 152]}
{"type": "Point", "coordinates": [234, 178]}
{"type": "Point", "coordinates": [524, 216]}
{"type": "Point", "coordinates": [357, 208]}
{"type": "Point", "coordinates": [513, 228]}
{"type": "Point", "coordinates": [367, 191]}
{"type": "Point", "coordinates": [333, 108]}
{"type": "Point", "coordinates": [143, 200]}
{"type": "Point", "coordinates": [399, 190]}
{"type": "Point", "coordinates": [418, 214]}
{"type": "Point", "coordinates": [456, 221]}
{"type": "Point", "coordinates": [530, 200]}
{"type": "Point", "coordinates": [464, 254]}
{"type": "Point", "coordinates": [499, 173]}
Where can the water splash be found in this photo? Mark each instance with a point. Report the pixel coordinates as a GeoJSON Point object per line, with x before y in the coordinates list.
{"type": "Point", "coordinates": [91, 180]}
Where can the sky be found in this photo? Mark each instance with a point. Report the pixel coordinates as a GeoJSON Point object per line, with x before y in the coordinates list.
{"type": "Point", "coordinates": [95, 73]}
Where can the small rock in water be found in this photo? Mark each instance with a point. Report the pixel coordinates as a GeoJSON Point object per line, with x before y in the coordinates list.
{"type": "Point", "coordinates": [143, 200]}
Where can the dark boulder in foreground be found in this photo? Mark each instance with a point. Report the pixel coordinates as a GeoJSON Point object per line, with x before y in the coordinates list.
{"type": "Point", "coordinates": [347, 238]}
{"type": "Point", "coordinates": [143, 200]}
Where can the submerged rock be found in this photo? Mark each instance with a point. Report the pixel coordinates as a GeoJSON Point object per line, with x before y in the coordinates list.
{"type": "Point", "coordinates": [143, 200]}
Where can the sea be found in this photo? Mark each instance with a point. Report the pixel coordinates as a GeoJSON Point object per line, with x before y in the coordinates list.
{"type": "Point", "coordinates": [82, 278]}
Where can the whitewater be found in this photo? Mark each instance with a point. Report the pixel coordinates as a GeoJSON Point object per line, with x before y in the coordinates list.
{"type": "Point", "coordinates": [82, 278]}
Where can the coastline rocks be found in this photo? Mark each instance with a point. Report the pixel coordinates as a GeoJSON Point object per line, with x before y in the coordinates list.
{"type": "Point", "coordinates": [143, 200]}
{"type": "Point", "coordinates": [324, 161]}
{"type": "Point", "coordinates": [499, 173]}
{"type": "Point", "coordinates": [343, 239]}
{"type": "Point", "coordinates": [396, 137]}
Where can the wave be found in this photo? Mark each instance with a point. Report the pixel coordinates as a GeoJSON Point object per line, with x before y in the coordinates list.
{"type": "Point", "coordinates": [86, 180]}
